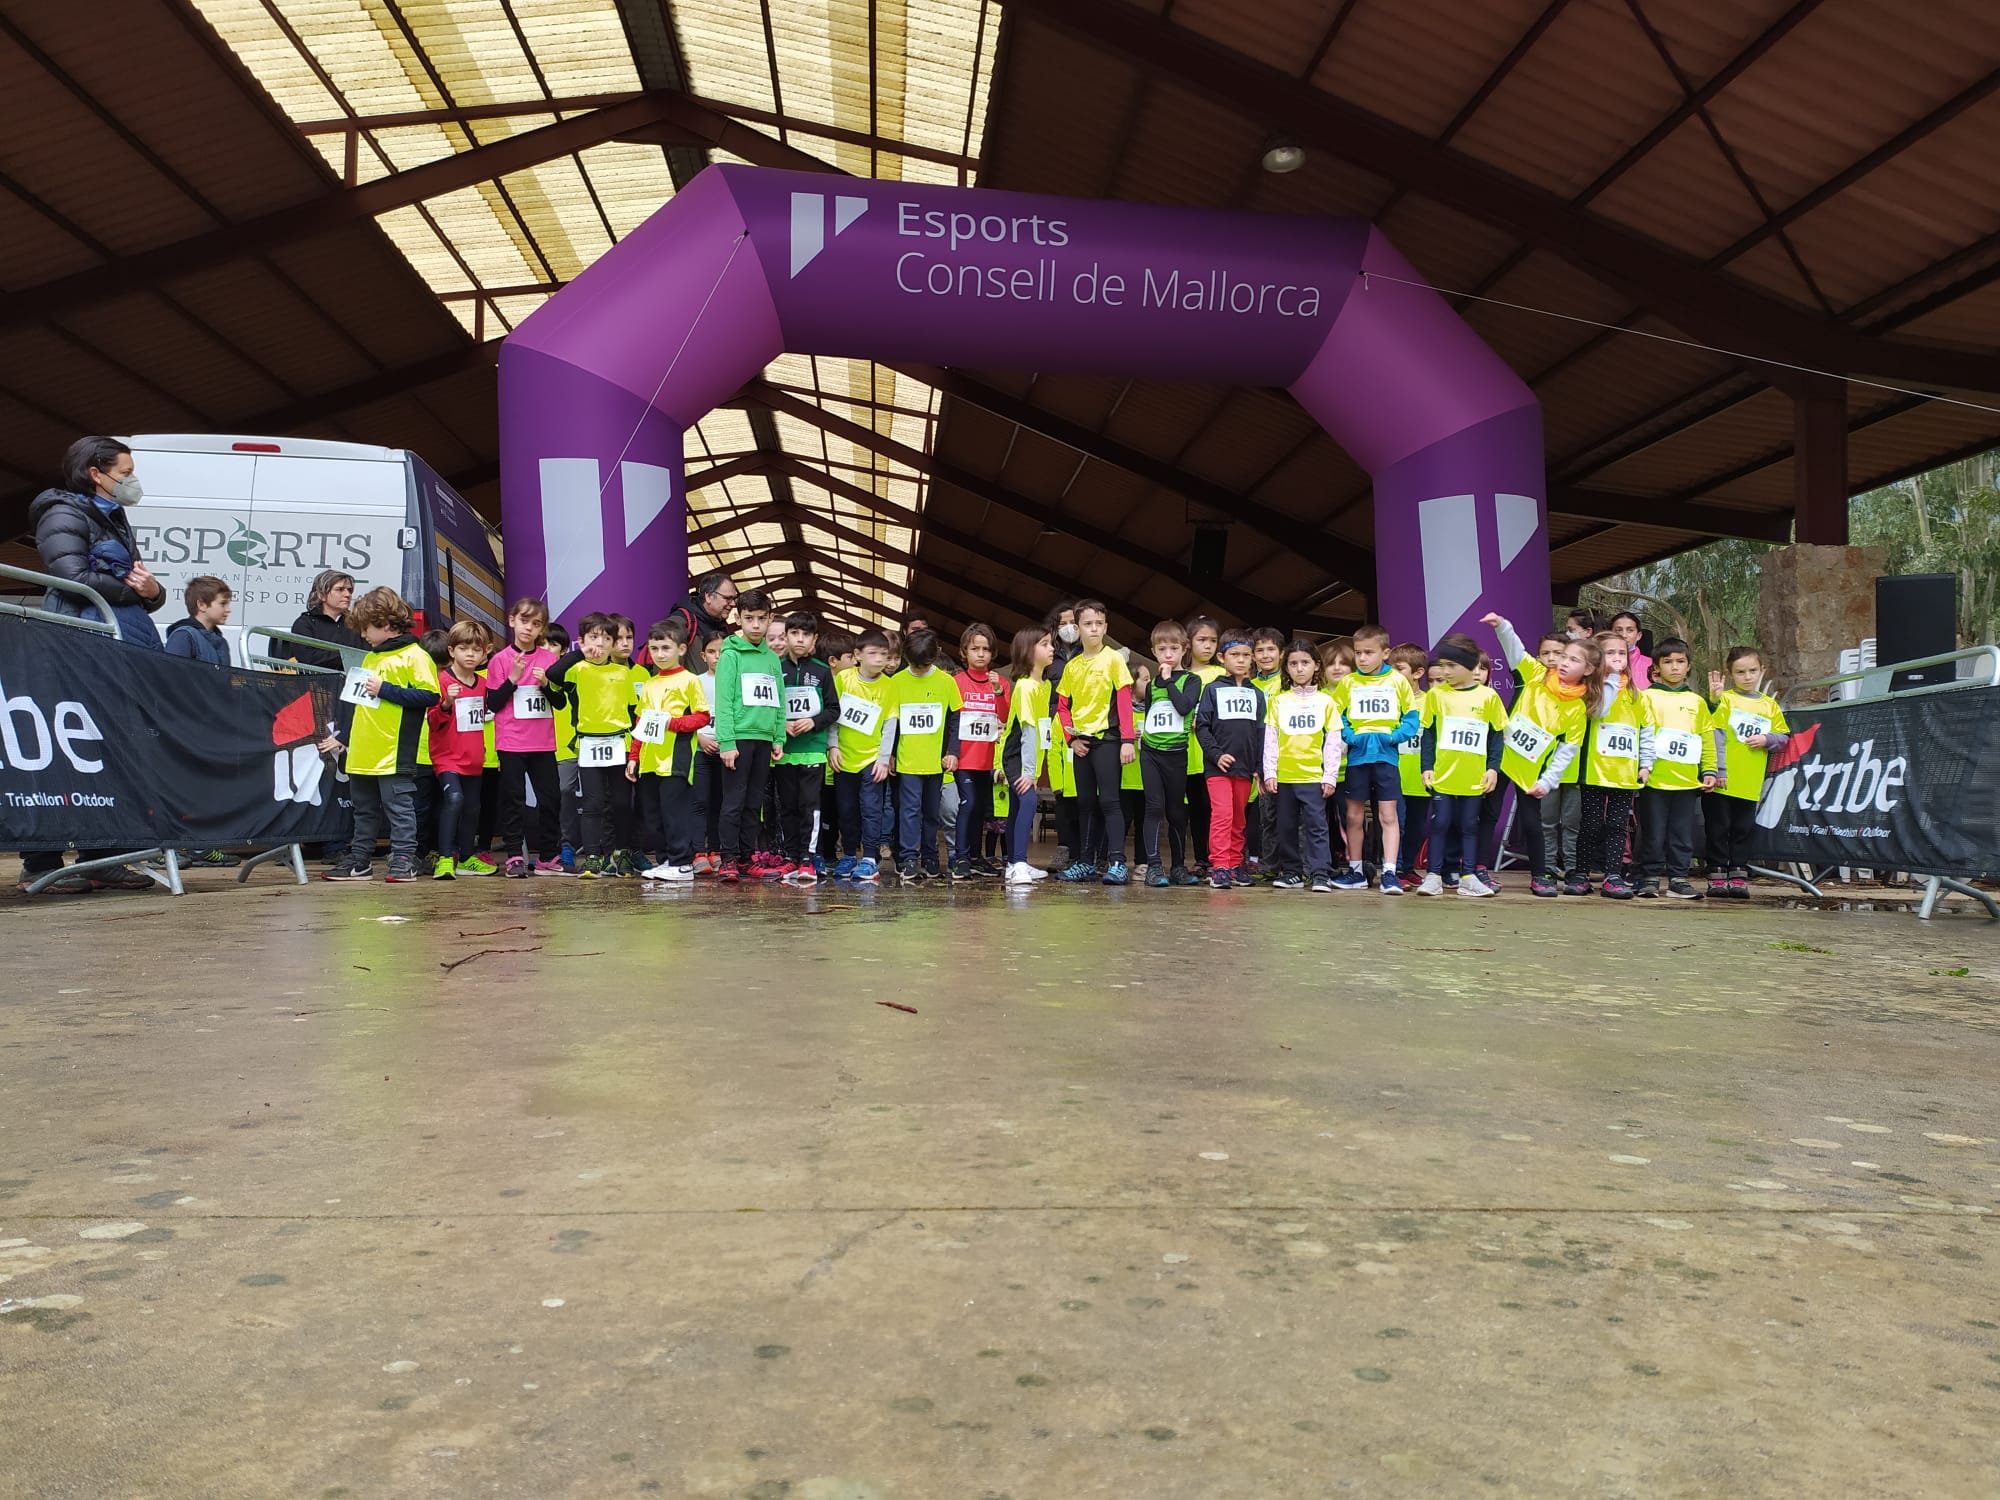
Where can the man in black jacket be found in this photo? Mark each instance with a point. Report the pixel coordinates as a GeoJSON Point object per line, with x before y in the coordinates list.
{"type": "Point", "coordinates": [706, 609]}
{"type": "Point", "coordinates": [85, 519]}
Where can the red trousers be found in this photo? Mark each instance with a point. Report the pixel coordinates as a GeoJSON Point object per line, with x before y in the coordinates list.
{"type": "Point", "coordinates": [1228, 799]}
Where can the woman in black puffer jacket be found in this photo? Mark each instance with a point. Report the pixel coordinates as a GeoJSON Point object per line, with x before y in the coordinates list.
{"type": "Point", "coordinates": [84, 537]}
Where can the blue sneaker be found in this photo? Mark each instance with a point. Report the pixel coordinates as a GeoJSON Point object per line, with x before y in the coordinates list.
{"type": "Point", "coordinates": [1392, 884]}
{"type": "Point", "coordinates": [1218, 878]}
{"type": "Point", "coordinates": [866, 872]}
{"type": "Point", "coordinates": [1077, 872]}
{"type": "Point", "coordinates": [845, 869]}
{"type": "Point", "coordinates": [1353, 878]}
{"type": "Point", "coordinates": [567, 859]}
{"type": "Point", "coordinates": [1118, 874]}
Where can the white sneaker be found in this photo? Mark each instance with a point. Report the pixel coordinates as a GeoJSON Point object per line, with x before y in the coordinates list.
{"type": "Point", "coordinates": [1036, 872]}
{"type": "Point", "coordinates": [1472, 885]}
{"type": "Point", "coordinates": [1433, 885]}
{"type": "Point", "coordinates": [677, 874]}
{"type": "Point", "coordinates": [658, 872]}
{"type": "Point", "coordinates": [1020, 874]}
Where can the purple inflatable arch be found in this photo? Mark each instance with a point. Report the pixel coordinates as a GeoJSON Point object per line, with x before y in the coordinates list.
{"type": "Point", "coordinates": [746, 263]}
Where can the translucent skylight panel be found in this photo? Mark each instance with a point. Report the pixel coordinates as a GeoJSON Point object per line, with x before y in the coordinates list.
{"type": "Point", "coordinates": [724, 44]}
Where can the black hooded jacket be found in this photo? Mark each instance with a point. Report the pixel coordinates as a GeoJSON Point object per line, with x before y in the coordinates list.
{"type": "Point", "coordinates": [67, 525]}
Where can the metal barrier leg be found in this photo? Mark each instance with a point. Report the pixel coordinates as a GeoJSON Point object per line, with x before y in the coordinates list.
{"type": "Point", "coordinates": [1797, 880]}
{"type": "Point", "coordinates": [1937, 885]}
{"type": "Point", "coordinates": [293, 859]}
{"type": "Point", "coordinates": [171, 879]}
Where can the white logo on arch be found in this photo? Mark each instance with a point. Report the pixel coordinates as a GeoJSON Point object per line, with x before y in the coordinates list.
{"type": "Point", "coordinates": [809, 224]}
{"type": "Point", "coordinates": [1448, 529]}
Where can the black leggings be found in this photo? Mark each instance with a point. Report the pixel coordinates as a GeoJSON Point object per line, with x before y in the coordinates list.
{"type": "Point", "coordinates": [458, 813]}
{"type": "Point", "coordinates": [1097, 782]}
{"type": "Point", "coordinates": [1197, 812]}
{"type": "Point", "coordinates": [1163, 773]}
{"type": "Point", "coordinates": [519, 770]}
{"type": "Point", "coordinates": [1730, 822]}
{"type": "Point", "coordinates": [1600, 843]}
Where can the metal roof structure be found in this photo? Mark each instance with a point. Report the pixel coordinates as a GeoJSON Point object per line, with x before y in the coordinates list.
{"type": "Point", "coordinates": [317, 217]}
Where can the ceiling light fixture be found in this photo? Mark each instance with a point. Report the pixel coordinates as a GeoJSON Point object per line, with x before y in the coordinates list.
{"type": "Point", "coordinates": [1283, 155]}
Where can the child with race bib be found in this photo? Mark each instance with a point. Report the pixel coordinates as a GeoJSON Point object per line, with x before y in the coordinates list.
{"type": "Point", "coordinates": [389, 743]}
{"type": "Point", "coordinates": [986, 697]}
{"type": "Point", "coordinates": [1676, 765]}
{"type": "Point", "coordinates": [1544, 734]}
{"type": "Point", "coordinates": [1229, 722]}
{"type": "Point", "coordinates": [1204, 637]}
{"type": "Point", "coordinates": [524, 734]}
{"type": "Point", "coordinates": [1170, 700]}
{"type": "Point", "coordinates": [811, 701]}
{"type": "Point", "coordinates": [1380, 713]}
{"type": "Point", "coordinates": [749, 729]}
{"type": "Point", "coordinates": [860, 770]}
{"type": "Point", "coordinates": [601, 690]}
{"type": "Point", "coordinates": [922, 738]}
{"type": "Point", "coordinates": [1025, 750]}
{"type": "Point", "coordinates": [1463, 719]}
{"type": "Point", "coordinates": [1302, 750]}
{"type": "Point", "coordinates": [1610, 777]}
{"type": "Point", "coordinates": [458, 752]}
{"type": "Point", "coordinates": [671, 711]}
{"type": "Point", "coordinates": [1094, 705]}
{"type": "Point", "coordinates": [1748, 727]}
{"type": "Point", "coordinates": [1413, 811]}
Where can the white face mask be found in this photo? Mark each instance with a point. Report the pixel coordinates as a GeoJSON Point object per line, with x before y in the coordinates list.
{"type": "Point", "coordinates": [126, 491]}
{"type": "Point", "coordinates": [1068, 634]}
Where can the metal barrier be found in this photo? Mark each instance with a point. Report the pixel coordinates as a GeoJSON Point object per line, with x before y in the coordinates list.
{"type": "Point", "coordinates": [350, 656]}
{"type": "Point", "coordinates": [106, 626]}
{"type": "Point", "coordinates": [160, 864]}
{"type": "Point", "coordinates": [1985, 673]}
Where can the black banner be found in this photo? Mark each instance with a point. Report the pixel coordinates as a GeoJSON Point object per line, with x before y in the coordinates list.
{"type": "Point", "coordinates": [105, 746]}
{"type": "Point", "coordinates": [1909, 783]}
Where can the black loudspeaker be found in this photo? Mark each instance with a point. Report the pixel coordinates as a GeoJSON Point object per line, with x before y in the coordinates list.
{"type": "Point", "coordinates": [1916, 615]}
{"type": "Point", "coordinates": [1210, 551]}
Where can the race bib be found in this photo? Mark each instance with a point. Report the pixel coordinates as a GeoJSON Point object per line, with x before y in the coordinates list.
{"type": "Point", "coordinates": [1164, 718]}
{"type": "Point", "coordinates": [979, 729]}
{"type": "Point", "coordinates": [921, 718]}
{"type": "Point", "coordinates": [355, 689]}
{"type": "Point", "coordinates": [860, 715]}
{"type": "Point", "coordinates": [652, 726]}
{"type": "Point", "coordinates": [1410, 747]}
{"type": "Point", "coordinates": [1301, 718]}
{"type": "Point", "coordinates": [1371, 703]}
{"type": "Point", "coordinates": [1617, 741]}
{"type": "Point", "coordinates": [469, 713]}
{"type": "Point", "coordinates": [760, 690]}
{"type": "Point", "coordinates": [1235, 703]}
{"type": "Point", "coordinates": [1465, 735]}
{"type": "Point", "coordinates": [1528, 739]}
{"type": "Point", "coordinates": [531, 703]}
{"type": "Point", "coordinates": [600, 750]}
{"type": "Point", "coordinates": [802, 701]}
{"type": "Point", "coordinates": [1743, 725]}
{"type": "Point", "coordinates": [1678, 746]}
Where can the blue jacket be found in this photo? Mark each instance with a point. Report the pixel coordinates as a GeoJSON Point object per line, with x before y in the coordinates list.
{"type": "Point", "coordinates": [198, 643]}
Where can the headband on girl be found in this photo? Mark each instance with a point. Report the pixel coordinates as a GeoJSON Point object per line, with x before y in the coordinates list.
{"type": "Point", "coordinates": [1465, 657]}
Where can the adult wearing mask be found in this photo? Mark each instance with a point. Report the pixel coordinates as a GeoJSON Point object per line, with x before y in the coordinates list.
{"type": "Point", "coordinates": [706, 610]}
{"type": "Point", "coordinates": [83, 535]}
{"type": "Point", "coordinates": [1060, 622]}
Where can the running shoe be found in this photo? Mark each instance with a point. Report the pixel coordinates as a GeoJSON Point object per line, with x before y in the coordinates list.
{"type": "Point", "coordinates": [1117, 874]}
{"type": "Point", "coordinates": [1615, 888]}
{"type": "Point", "coordinates": [1156, 877]}
{"type": "Point", "coordinates": [1739, 887]}
{"type": "Point", "coordinates": [209, 859]}
{"type": "Point", "coordinates": [1353, 878]}
{"type": "Point", "coordinates": [516, 867]}
{"type": "Point", "coordinates": [1718, 887]}
{"type": "Point", "coordinates": [1647, 889]}
{"type": "Point", "coordinates": [1544, 885]}
{"type": "Point", "coordinates": [1287, 882]}
{"type": "Point", "coordinates": [1183, 876]}
{"type": "Point", "coordinates": [1682, 890]}
{"type": "Point", "coordinates": [1431, 885]}
{"type": "Point", "coordinates": [401, 871]}
{"type": "Point", "coordinates": [1077, 872]}
{"type": "Point", "coordinates": [1576, 885]}
{"type": "Point", "coordinates": [867, 872]}
{"type": "Point", "coordinates": [962, 870]}
{"type": "Point", "coordinates": [349, 869]}
{"type": "Point", "coordinates": [1322, 883]}
{"type": "Point", "coordinates": [1472, 885]}
{"type": "Point", "coordinates": [550, 867]}
{"type": "Point", "coordinates": [1486, 877]}
{"type": "Point", "coordinates": [845, 869]}
{"type": "Point", "coordinates": [1392, 883]}
{"type": "Point", "coordinates": [476, 865]}
{"type": "Point", "coordinates": [730, 873]}
{"type": "Point", "coordinates": [444, 869]}
{"type": "Point", "coordinates": [1020, 873]}
{"type": "Point", "coordinates": [1218, 878]}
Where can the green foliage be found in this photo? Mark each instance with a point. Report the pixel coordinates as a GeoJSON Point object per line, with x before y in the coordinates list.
{"type": "Point", "coordinates": [1943, 521]}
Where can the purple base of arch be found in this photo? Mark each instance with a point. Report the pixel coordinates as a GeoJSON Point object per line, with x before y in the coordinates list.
{"type": "Point", "coordinates": [599, 385]}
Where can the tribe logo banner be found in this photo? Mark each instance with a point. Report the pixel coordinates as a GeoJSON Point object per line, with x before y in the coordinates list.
{"type": "Point", "coordinates": [104, 746]}
{"type": "Point", "coordinates": [1897, 784]}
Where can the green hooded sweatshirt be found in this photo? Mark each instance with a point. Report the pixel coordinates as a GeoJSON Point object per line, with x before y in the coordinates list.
{"type": "Point", "coordinates": [749, 693]}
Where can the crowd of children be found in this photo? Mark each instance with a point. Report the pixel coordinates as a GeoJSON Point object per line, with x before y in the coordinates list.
{"type": "Point", "coordinates": [1230, 755]}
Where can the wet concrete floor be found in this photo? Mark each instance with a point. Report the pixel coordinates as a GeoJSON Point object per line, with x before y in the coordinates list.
{"type": "Point", "coordinates": [1155, 1194]}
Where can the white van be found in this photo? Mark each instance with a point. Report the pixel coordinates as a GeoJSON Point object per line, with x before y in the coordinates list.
{"type": "Point", "coordinates": [267, 514]}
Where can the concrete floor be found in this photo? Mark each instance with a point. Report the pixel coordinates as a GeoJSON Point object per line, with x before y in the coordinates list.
{"type": "Point", "coordinates": [1156, 1195]}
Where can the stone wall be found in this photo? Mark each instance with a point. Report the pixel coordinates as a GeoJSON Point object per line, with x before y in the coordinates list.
{"type": "Point", "coordinates": [1814, 603]}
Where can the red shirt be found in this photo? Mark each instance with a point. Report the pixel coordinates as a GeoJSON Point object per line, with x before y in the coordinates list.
{"type": "Point", "coordinates": [452, 749]}
{"type": "Point", "coordinates": [986, 698]}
